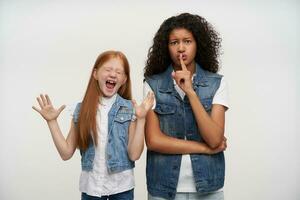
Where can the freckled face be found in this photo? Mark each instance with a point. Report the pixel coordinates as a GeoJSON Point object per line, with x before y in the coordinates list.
{"type": "Point", "coordinates": [182, 41]}
{"type": "Point", "coordinates": [110, 76]}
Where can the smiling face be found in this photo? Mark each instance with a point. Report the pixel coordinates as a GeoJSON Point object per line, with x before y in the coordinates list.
{"type": "Point", "coordinates": [182, 41]}
{"type": "Point", "coordinates": [110, 76]}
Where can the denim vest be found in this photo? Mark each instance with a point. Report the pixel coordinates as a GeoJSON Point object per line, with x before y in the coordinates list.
{"type": "Point", "coordinates": [177, 120]}
{"type": "Point", "coordinates": [119, 118]}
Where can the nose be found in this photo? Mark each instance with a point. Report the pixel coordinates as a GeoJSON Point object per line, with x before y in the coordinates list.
{"type": "Point", "coordinates": [181, 47]}
{"type": "Point", "coordinates": [112, 73]}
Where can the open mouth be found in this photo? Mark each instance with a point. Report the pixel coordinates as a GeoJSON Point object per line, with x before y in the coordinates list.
{"type": "Point", "coordinates": [110, 84]}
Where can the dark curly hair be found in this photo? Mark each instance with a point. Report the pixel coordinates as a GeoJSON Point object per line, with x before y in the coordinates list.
{"type": "Point", "coordinates": [207, 39]}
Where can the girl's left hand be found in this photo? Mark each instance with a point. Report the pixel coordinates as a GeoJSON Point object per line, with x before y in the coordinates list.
{"type": "Point", "coordinates": [146, 105]}
{"type": "Point", "coordinates": [183, 77]}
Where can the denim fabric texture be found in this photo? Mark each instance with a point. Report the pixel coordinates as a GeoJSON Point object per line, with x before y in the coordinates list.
{"type": "Point", "coordinates": [119, 118]}
{"type": "Point", "coordinates": [177, 120]}
{"type": "Point", "coordinates": [217, 195]}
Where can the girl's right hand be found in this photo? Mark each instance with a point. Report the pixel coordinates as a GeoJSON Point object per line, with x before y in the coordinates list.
{"type": "Point", "coordinates": [183, 78]}
{"type": "Point", "coordinates": [47, 111]}
{"type": "Point", "coordinates": [221, 147]}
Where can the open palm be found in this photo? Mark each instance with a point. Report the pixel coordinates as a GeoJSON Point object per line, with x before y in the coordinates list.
{"type": "Point", "coordinates": [47, 111]}
{"type": "Point", "coordinates": [146, 105]}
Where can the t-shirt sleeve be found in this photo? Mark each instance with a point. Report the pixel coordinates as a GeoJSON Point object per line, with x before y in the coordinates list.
{"type": "Point", "coordinates": [221, 96]}
{"type": "Point", "coordinates": [76, 112]}
{"type": "Point", "coordinates": [147, 89]}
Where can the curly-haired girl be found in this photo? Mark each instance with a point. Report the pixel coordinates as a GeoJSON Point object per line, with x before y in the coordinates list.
{"type": "Point", "coordinates": [185, 131]}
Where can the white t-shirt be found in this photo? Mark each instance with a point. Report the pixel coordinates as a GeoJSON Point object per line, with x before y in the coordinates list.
{"type": "Point", "coordinates": [186, 181]}
{"type": "Point", "coordinates": [99, 182]}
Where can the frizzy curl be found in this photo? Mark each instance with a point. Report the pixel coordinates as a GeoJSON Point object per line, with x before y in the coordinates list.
{"type": "Point", "coordinates": [207, 39]}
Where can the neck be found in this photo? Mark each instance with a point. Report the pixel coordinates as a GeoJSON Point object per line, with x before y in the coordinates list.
{"type": "Point", "coordinates": [107, 98]}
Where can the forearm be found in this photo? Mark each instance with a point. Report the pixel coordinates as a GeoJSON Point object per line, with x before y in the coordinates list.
{"type": "Point", "coordinates": [211, 132]}
{"type": "Point", "coordinates": [158, 141]}
{"type": "Point", "coordinates": [170, 145]}
{"type": "Point", "coordinates": [136, 143]}
{"type": "Point", "coordinates": [61, 144]}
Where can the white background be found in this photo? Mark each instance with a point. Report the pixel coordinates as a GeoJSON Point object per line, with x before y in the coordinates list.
{"type": "Point", "coordinates": [50, 47]}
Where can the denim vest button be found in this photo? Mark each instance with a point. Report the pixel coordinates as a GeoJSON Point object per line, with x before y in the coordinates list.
{"type": "Point", "coordinates": [108, 156]}
{"type": "Point", "coordinates": [175, 167]}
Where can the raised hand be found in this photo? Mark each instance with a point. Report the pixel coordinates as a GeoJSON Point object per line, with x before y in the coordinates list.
{"type": "Point", "coordinates": [183, 77]}
{"type": "Point", "coordinates": [146, 105]}
{"type": "Point", "coordinates": [47, 111]}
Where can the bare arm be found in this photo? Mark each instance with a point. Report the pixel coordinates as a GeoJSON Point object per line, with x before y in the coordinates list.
{"type": "Point", "coordinates": [158, 141]}
{"type": "Point", "coordinates": [137, 128]}
{"type": "Point", "coordinates": [136, 139]}
{"type": "Point", "coordinates": [211, 126]}
{"type": "Point", "coordinates": [65, 147]}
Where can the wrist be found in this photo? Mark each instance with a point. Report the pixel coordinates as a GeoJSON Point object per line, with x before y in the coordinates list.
{"type": "Point", "coordinates": [206, 149]}
{"type": "Point", "coordinates": [51, 121]}
{"type": "Point", "coordinates": [190, 93]}
{"type": "Point", "coordinates": [141, 119]}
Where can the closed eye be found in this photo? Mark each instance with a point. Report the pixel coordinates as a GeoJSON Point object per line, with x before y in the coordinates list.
{"type": "Point", "coordinates": [120, 72]}
{"type": "Point", "coordinates": [107, 69]}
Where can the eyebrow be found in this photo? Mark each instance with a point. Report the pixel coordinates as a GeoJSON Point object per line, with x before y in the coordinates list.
{"type": "Point", "coordinates": [187, 38]}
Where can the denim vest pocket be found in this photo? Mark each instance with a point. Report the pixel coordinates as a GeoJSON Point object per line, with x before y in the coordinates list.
{"type": "Point", "coordinates": [164, 109]}
{"type": "Point", "coordinates": [167, 117]}
{"type": "Point", "coordinates": [124, 114]}
{"type": "Point", "coordinates": [123, 117]}
{"type": "Point", "coordinates": [121, 125]}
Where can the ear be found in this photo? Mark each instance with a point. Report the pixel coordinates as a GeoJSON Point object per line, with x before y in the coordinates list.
{"type": "Point", "coordinates": [95, 74]}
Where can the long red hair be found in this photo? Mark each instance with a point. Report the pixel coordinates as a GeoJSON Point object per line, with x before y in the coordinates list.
{"type": "Point", "coordinates": [87, 124]}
